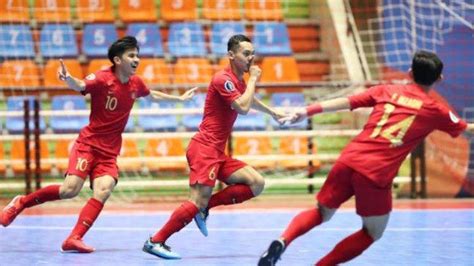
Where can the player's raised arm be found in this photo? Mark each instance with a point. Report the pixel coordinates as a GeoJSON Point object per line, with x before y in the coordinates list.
{"type": "Point", "coordinates": [319, 107]}
{"type": "Point", "coordinates": [244, 102]}
{"type": "Point", "coordinates": [159, 96]}
{"type": "Point", "coordinates": [73, 83]}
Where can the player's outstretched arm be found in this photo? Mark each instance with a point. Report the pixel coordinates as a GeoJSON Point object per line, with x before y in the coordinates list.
{"type": "Point", "coordinates": [260, 106]}
{"type": "Point", "coordinates": [322, 107]}
{"type": "Point", "coordinates": [159, 96]}
{"type": "Point", "coordinates": [73, 83]}
{"type": "Point", "coordinates": [470, 127]}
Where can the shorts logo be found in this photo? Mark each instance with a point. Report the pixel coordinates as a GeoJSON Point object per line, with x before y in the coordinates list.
{"type": "Point", "coordinates": [90, 76]}
{"type": "Point", "coordinates": [212, 173]}
{"type": "Point", "coordinates": [229, 86]}
{"type": "Point", "coordinates": [453, 117]}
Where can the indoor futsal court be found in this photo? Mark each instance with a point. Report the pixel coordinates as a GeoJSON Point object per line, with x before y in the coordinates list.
{"type": "Point", "coordinates": [418, 233]}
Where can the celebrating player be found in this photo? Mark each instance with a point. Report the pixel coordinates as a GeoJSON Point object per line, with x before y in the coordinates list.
{"type": "Point", "coordinates": [227, 96]}
{"type": "Point", "coordinates": [402, 116]}
{"type": "Point", "coordinates": [113, 92]}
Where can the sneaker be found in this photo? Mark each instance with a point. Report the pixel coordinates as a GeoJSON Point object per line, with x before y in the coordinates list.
{"type": "Point", "coordinates": [75, 245]}
{"type": "Point", "coordinates": [10, 211]}
{"type": "Point", "coordinates": [270, 257]}
{"type": "Point", "coordinates": [200, 218]}
{"type": "Point", "coordinates": [161, 250]}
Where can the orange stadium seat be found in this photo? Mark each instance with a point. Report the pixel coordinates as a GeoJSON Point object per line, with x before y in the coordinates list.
{"type": "Point", "coordinates": [61, 154]}
{"type": "Point", "coordinates": [279, 69]}
{"type": "Point", "coordinates": [221, 10]}
{"type": "Point", "coordinates": [129, 150]}
{"type": "Point", "coordinates": [17, 156]}
{"type": "Point", "coordinates": [192, 71]}
{"type": "Point", "coordinates": [14, 11]}
{"type": "Point", "coordinates": [263, 10]}
{"type": "Point", "coordinates": [3, 166]}
{"type": "Point", "coordinates": [134, 11]}
{"type": "Point", "coordinates": [172, 10]}
{"type": "Point", "coordinates": [296, 146]}
{"type": "Point", "coordinates": [154, 71]}
{"type": "Point", "coordinates": [19, 74]}
{"type": "Point", "coordinates": [98, 64]}
{"type": "Point", "coordinates": [254, 146]}
{"type": "Point", "coordinates": [94, 11]}
{"type": "Point", "coordinates": [50, 72]}
{"type": "Point", "coordinates": [52, 11]}
{"type": "Point", "coordinates": [162, 148]}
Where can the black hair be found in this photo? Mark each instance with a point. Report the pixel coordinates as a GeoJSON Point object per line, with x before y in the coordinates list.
{"type": "Point", "coordinates": [426, 67]}
{"type": "Point", "coordinates": [119, 47]}
{"type": "Point", "coordinates": [235, 40]}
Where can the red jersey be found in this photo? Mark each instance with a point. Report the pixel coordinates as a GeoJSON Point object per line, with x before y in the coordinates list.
{"type": "Point", "coordinates": [219, 117]}
{"type": "Point", "coordinates": [111, 103]}
{"type": "Point", "coordinates": [402, 117]}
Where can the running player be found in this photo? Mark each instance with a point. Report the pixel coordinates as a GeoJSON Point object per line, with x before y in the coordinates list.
{"type": "Point", "coordinates": [113, 92]}
{"type": "Point", "coordinates": [228, 95]}
{"type": "Point", "coordinates": [402, 117]}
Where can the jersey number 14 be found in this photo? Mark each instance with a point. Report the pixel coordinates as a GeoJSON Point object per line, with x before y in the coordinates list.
{"type": "Point", "coordinates": [400, 128]}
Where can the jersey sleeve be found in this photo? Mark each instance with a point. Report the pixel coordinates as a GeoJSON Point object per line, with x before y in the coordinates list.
{"type": "Point", "coordinates": [93, 83]}
{"type": "Point", "coordinates": [366, 98]}
{"type": "Point", "coordinates": [450, 122]}
{"type": "Point", "coordinates": [226, 88]}
{"type": "Point", "coordinates": [142, 90]}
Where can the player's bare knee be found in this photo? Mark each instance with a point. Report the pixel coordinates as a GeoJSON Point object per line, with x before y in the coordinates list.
{"type": "Point", "coordinates": [374, 232]}
{"type": "Point", "coordinates": [68, 191]}
{"type": "Point", "coordinates": [257, 185]}
{"type": "Point", "coordinates": [102, 194]}
{"type": "Point", "coordinates": [326, 213]}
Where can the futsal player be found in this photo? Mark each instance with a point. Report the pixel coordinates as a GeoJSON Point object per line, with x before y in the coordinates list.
{"type": "Point", "coordinates": [113, 92]}
{"type": "Point", "coordinates": [228, 95]}
{"type": "Point", "coordinates": [402, 116]}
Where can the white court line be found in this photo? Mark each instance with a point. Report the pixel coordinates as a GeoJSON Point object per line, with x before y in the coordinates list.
{"type": "Point", "coordinates": [134, 229]}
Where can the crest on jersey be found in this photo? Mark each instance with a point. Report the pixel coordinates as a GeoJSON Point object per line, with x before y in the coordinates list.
{"type": "Point", "coordinates": [453, 117]}
{"type": "Point", "coordinates": [90, 76]}
{"type": "Point", "coordinates": [229, 86]}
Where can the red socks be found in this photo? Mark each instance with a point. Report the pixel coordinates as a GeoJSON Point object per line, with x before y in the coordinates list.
{"type": "Point", "coordinates": [87, 217]}
{"type": "Point", "coordinates": [302, 223]}
{"type": "Point", "coordinates": [347, 249]}
{"type": "Point", "coordinates": [43, 195]}
{"type": "Point", "coordinates": [232, 194]}
{"type": "Point", "coordinates": [178, 220]}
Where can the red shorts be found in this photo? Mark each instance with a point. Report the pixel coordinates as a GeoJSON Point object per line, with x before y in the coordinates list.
{"type": "Point", "coordinates": [207, 164]}
{"type": "Point", "coordinates": [343, 182]}
{"type": "Point", "coordinates": [84, 160]}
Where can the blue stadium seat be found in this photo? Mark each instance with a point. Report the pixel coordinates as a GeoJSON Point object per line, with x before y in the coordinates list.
{"type": "Point", "coordinates": [98, 38]}
{"type": "Point", "coordinates": [191, 122]}
{"type": "Point", "coordinates": [130, 126]}
{"type": "Point", "coordinates": [16, 41]}
{"type": "Point", "coordinates": [220, 34]}
{"type": "Point", "coordinates": [149, 38]}
{"type": "Point", "coordinates": [16, 125]}
{"type": "Point", "coordinates": [68, 124]}
{"type": "Point", "coordinates": [157, 122]}
{"type": "Point", "coordinates": [186, 39]}
{"type": "Point", "coordinates": [285, 99]}
{"type": "Point", "coordinates": [58, 40]}
{"type": "Point", "coordinates": [271, 38]}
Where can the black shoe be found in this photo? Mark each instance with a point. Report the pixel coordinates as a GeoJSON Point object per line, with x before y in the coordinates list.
{"type": "Point", "coordinates": [270, 257]}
